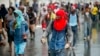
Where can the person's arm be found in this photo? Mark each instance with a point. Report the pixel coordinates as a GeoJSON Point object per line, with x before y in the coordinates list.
{"type": "Point", "coordinates": [24, 30]}
{"type": "Point", "coordinates": [48, 30]}
{"type": "Point", "coordinates": [5, 23]}
{"type": "Point", "coordinates": [78, 21]}
{"type": "Point", "coordinates": [69, 37]}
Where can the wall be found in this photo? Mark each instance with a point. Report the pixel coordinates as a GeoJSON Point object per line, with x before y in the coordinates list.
{"type": "Point", "coordinates": [6, 2]}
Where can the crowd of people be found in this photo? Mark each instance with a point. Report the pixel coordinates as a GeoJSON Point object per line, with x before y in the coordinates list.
{"type": "Point", "coordinates": [60, 20]}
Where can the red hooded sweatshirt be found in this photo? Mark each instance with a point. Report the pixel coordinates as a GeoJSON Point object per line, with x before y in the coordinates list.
{"type": "Point", "coordinates": [60, 23]}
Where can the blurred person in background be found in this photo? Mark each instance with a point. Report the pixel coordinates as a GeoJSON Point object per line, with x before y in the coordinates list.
{"type": "Point", "coordinates": [42, 16]}
{"type": "Point", "coordinates": [32, 22]}
{"type": "Point", "coordinates": [90, 5]}
{"type": "Point", "coordinates": [35, 6]}
{"type": "Point", "coordinates": [94, 13]}
{"type": "Point", "coordinates": [43, 12]}
{"type": "Point", "coordinates": [25, 15]}
{"type": "Point", "coordinates": [50, 16]}
{"type": "Point", "coordinates": [3, 12]}
{"type": "Point", "coordinates": [2, 38]}
{"type": "Point", "coordinates": [87, 23]}
{"type": "Point", "coordinates": [9, 18]}
{"type": "Point", "coordinates": [74, 23]}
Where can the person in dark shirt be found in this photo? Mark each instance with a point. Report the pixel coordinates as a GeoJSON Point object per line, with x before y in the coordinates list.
{"type": "Point", "coordinates": [3, 13]}
{"type": "Point", "coordinates": [32, 21]}
{"type": "Point", "coordinates": [35, 6]}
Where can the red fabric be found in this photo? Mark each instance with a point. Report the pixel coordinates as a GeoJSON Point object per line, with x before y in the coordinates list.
{"type": "Point", "coordinates": [48, 16]}
{"type": "Point", "coordinates": [52, 6]}
{"type": "Point", "coordinates": [60, 24]}
{"type": "Point", "coordinates": [44, 25]}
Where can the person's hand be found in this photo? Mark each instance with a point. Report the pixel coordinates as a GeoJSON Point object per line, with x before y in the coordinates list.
{"type": "Point", "coordinates": [3, 43]}
{"type": "Point", "coordinates": [43, 40]}
{"type": "Point", "coordinates": [67, 46]}
{"type": "Point", "coordinates": [24, 36]}
{"type": "Point", "coordinates": [6, 29]}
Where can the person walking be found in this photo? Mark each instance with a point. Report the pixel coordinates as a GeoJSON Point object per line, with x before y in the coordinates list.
{"type": "Point", "coordinates": [43, 13]}
{"type": "Point", "coordinates": [9, 18]}
{"type": "Point", "coordinates": [32, 22]}
{"type": "Point", "coordinates": [87, 23]}
{"type": "Point", "coordinates": [94, 13]}
{"type": "Point", "coordinates": [58, 39]}
{"type": "Point", "coordinates": [2, 14]}
{"type": "Point", "coordinates": [20, 30]}
{"type": "Point", "coordinates": [74, 23]}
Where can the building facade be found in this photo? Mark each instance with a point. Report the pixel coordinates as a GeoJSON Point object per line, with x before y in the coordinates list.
{"type": "Point", "coordinates": [16, 2]}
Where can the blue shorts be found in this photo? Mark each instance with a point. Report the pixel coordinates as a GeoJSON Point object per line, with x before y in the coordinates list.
{"type": "Point", "coordinates": [20, 48]}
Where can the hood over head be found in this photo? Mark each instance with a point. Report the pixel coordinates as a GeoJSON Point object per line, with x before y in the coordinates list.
{"type": "Point", "coordinates": [19, 17]}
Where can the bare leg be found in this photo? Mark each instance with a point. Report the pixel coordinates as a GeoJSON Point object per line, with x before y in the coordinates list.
{"type": "Point", "coordinates": [10, 46]}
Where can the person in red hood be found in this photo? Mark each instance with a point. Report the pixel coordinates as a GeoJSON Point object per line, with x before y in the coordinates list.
{"type": "Point", "coordinates": [60, 22]}
{"type": "Point", "coordinates": [57, 29]}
